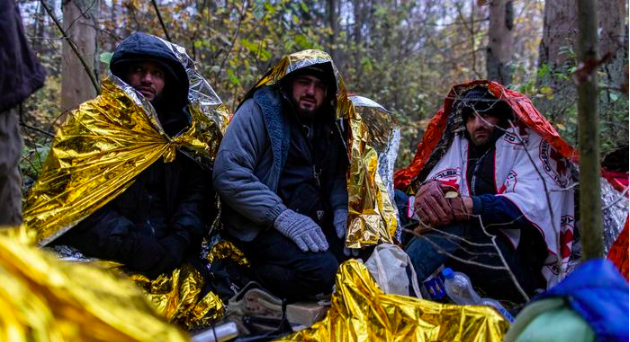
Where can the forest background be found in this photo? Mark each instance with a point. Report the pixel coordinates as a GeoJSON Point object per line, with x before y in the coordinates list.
{"type": "Point", "coordinates": [403, 54]}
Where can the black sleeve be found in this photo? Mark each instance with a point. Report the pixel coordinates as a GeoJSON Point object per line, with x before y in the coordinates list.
{"type": "Point", "coordinates": [499, 212]}
{"type": "Point", "coordinates": [194, 208]}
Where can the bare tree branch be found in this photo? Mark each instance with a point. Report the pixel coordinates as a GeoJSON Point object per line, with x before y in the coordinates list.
{"type": "Point", "coordinates": [159, 15]}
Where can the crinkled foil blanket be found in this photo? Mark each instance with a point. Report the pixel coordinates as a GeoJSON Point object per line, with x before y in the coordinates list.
{"type": "Point", "coordinates": [177, 296]}
{"type": "Point", "coordinates": [44, 299]}
{"type": "Point", "coordinates": [96, 155]}
{"type": "Point", "coordinates": [374, 147]}
{"type": "Point", "coordinates": [107, 142]}
{"type": "Point", "coordinates": [360, 311]}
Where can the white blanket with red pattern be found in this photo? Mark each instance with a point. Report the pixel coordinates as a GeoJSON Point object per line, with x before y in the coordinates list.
{"type": "Point", "coordinates": [518, 178]}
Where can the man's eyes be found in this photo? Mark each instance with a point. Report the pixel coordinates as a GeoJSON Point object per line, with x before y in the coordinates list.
{"type": "Point", "coordinates": [142, 70]}
{"type": "Point", "coordinates": [305, 82]}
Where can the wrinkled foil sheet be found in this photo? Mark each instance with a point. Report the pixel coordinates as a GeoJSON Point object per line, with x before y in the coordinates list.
{"type": "Point", "coordinates": [361, 311]}
{"type": "Point", "coordinates": [44, 299]}
{"type": "Point", "coordinates": [227, 250]}
{"type": "Point", "coordinates": [178, 297]}
{"type": "Point", "coordinates": [372, 195]}
{"type": "Point", "coordinates": [96, 155]}
{"type": "Point", "coordinates": [107, 142]}
{"type": "Point", "coordinates": [372, 216]}
{"type": "Point", "coordinates": [615, 213]}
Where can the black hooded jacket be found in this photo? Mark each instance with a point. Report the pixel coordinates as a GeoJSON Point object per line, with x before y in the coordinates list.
{"type": "Point", "coordinates": [161, 218]}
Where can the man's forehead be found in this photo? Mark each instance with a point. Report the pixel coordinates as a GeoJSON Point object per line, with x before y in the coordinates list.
{"type": "Point", "coordinates": [310, 77]}
{"type": "Point", "coordinates": [148, 63]}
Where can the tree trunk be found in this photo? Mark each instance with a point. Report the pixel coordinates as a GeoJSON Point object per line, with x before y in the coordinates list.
{"type": "Point", "coordinates": [613, 38]}
{"type": "Point", "coordinates": [331, 8]}
{"type": "Point", "coordinates": [500, 41]}
{"type": "Point", "coordinates": [556, 56]}
{"type": "Point", "coordinates": [40, 26]}
{"type": "Point", "coordinates": [79, 22]}
{"type": "Point", "coordinates": [590, 200]}
{"type": "Point", "coordinates": [558, 46]}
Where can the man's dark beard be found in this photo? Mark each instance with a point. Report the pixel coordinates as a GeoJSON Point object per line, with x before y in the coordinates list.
{"type": "Point", "coordinates": [307, 114]}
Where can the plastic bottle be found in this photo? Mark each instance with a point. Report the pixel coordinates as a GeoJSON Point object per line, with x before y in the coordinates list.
{"type": "Point", "coordinates": [459, 289]}
{"type": "Point", "coordinates": [495, 304]}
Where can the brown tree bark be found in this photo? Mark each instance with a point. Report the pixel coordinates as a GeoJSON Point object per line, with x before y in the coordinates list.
{"type": "Point", "coordinates": [40, 26]}
{"type": "Point", "coordinates": [333, 21]}
{"type": "Point", "coordinates": [79, 22]}
{"type": "Point", "coordinates": [500, 41]}
{"type": "Point", "coordinates": [590, 196]}
{"type": "Point", "coordinates": [559, 43]}
{"type": "Point", "coordinates": [556, 53]}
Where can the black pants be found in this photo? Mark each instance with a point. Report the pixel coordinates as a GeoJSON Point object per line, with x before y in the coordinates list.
{"type": "Point", "coordinates": [432, 249]}
{"type": "Point", "coordinates": [282, 268]}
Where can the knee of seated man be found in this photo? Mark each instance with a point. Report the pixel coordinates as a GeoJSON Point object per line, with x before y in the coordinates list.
{"type": "Point", "coordinates": [320, 274]}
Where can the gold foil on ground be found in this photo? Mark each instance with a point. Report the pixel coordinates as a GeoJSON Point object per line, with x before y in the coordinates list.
{"type": "Point", "coordinates": [44, 299]}
{"type": "Point", "coordinates": [178, 297]}
{"type": "Point", "coordinates": [361, 311]}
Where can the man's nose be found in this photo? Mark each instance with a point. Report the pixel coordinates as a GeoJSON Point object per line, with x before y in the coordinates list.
{"type": "Point", "coordinates": [147, 77]}
{"type": "Point", "coordinates": [480, 121]}
{"type": "Point", "coordinates": [310, 89]}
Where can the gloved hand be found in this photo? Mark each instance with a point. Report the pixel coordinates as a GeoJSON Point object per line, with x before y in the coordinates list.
{"type": "Point", "coordinates": [302, 230]}
{"type": "Point", "coordinates": [340, 221]}
{"type": "Point", "coordinates": [354, 252]}
{"type": "Point", "coordinates": [174, 252]}
{"type": "Point", "coordinates": [431, 205]}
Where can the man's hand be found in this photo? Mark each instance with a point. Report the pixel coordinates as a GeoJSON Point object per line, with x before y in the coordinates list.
{"type": "Point", "coordinates": [431, 205]}
{"type": "Point", "coordinates": [302, 230]}
{"type": "Point", "coordinates": [340, 221]}
{"type": "Point", "coordinates": [461, 207]}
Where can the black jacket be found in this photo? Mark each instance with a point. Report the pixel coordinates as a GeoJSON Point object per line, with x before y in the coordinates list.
{"type": "Point", "coordinates": [20, 72]}
{"type": "Point", "coordinates": [163, 215]}
{"type": "Point", "coordinates": [154, 224]}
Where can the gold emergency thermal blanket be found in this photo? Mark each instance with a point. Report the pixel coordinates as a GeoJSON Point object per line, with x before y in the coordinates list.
{"type": "Point", "coordinates": [371, 219]}
{"type": "Point", "coordinates": [98, 152]}
{"type": "Point", "coordinates": [178, 297]}
{"type": "Point", "coordinates": [360, 311]}
{"type": "Point", "coordinates": [43, 299]}
{"type": "Point", "coordinates": [372, 215]}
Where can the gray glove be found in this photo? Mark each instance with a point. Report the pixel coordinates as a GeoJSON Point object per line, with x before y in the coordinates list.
{"type": "Point", "coordinates": [302, 230]}
{"type": "Point", "coordinates": [340, 220]}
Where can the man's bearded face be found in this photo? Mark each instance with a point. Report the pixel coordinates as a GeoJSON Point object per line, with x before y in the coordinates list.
{"type": "Point", "coordinates": [480, 127]}
{"type": "Point", "coordinates": [309, 92]}
{"type": "Point", "coordinates": [146, 77]}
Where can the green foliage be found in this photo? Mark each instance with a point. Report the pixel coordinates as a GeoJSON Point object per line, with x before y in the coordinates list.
{"type": "Point", "coordinates": [403, 54]}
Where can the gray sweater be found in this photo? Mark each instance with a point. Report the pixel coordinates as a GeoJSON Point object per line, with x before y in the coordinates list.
{"type": "Point", "coordinates": [249, 163]}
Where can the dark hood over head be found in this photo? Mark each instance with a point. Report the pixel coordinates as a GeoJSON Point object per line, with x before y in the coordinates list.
{"type": "Point", "coordinates": [323, 71]}
{"type": "Point", "coordinates": [141, 47]}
